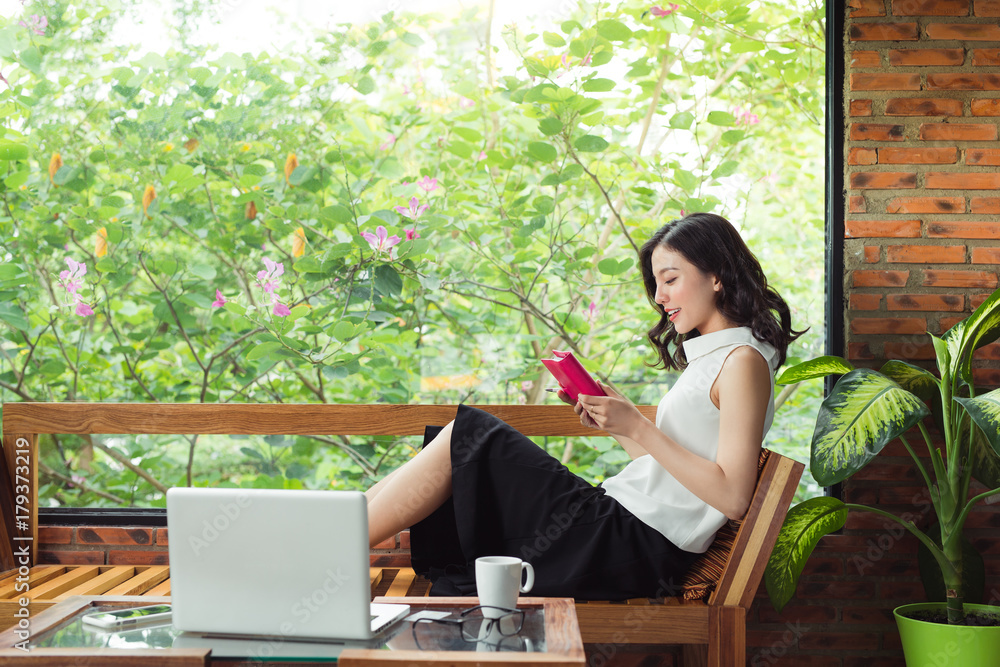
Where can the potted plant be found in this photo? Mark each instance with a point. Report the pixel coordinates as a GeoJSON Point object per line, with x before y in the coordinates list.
{"type": "Point", "coordinates": [866, 410]}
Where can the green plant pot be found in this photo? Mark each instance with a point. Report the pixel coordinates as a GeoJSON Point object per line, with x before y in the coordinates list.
{"type": "Point", "coordinates": [928, 644]}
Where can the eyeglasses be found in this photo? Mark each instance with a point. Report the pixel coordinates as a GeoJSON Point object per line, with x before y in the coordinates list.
{"type": "Point", "coordinates": [492, 625]}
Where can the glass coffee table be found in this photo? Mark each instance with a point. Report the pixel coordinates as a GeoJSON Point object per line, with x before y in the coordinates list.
{"type": "Point", "coordinates": [548, 634]}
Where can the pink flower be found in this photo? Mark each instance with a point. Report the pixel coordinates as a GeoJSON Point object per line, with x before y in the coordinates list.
{"type": "Point", "coordinates": [268, 279]}
{"type": "Point", "coordinates": [656, 10]}
{"type": "Point", "coordinates": [36, 23]}
{"type": "Point", "coordinates": [411, 234]}
{"type": "Point", "coordinates": [387, 144]}
{"type": "Point", "coordinates": [744, 117]}
{"type": "Point", "coordinates": [527, 385]}
{"type": "Point", "coordinates": [406, 89]}
{"type": "Point", "coordinates": [72, 279]}
{"type": "Point", "coordinates": [280, 309]}
{"type": "Point", "coordinates": [465, 103]}
{"type": "Point", "coordinates": [4, 79]}
{"type": "Point", "coordinates": [415, 209]}
{"type": "Point", "coordinates": [428, 184]}
{"type": "Point", "coordinates": [586, 60]}
{"type": "Point", "coordinates": [380, 241]}
{"type": "Point", "coordinates": [220, 300]}
{"type": "Point", "coordinates": [481, 156]}
{"type": "Point", "coordinates": [83, 310]}
{"type": "Point", "coordinates": [591, 312]}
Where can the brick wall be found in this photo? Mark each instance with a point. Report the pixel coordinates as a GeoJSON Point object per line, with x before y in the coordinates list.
{"type": "Point", "coordinates": [922, 241]}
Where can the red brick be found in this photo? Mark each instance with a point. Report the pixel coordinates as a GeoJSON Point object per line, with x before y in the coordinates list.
{"type": "Point", "coordinates": [162, 537]}
{"type": "Point", "coordinates": [922, 106]}
{"type": "Point", "coordinates": [856, 204]}
{"type": "Point", "coordinates": [55, 535]}
{"type": "Point", "coordinates": [930, 7]}
{"type": "Point", "coordinates": [104, 535]}
{"type": "Point", "coordinates": [865, 59]}
{"type": "Point", "coordinates": [926, 205]}
{"type": "Point", "coordinates": [388, 543]}
{"type": "Point", "coordinates": [948, 278]}
{"type": "Point", "coordinates": [883, 180]}
{"type": "Point", "coordinates": [948, 322]}
{"type": "Point", "coordinates": [70, 557]}
{"type": "Point", "coordinates": [926, 254]}
{"type": "Point", "coordinates": [911, 351]}
{"type": "Point", "coordinates": [964, 31]}
{"type": "Point", "coordinates": [985, 205]}
{"type": "Point", "coordinates": [869, 615]}
{"type": "Point", "coordinates": [991, 352]}
{"type": "Point", "coordinates": [835, 590]}
{"type": "Point", "coordinates": [986, 57]}
{"type": "Point", "coordinates": [927, 155]}
{"type": "Point", "coordinates": [988, 107]}
{"type": "Point", "coordinates": [799, 613]}
{"type": "Point", "coordinates": [903, 591]}
{"type": "Point", "coordinates": [389, 560]}
{"type": "Point", "coordinates": [884, 32]}
{"type": "Point", "coordinates": [963, 230]}
{"type": "Point", "coordinates": [881, 228]}
{"type": "Point", "coordinates": [862, 156]}
{"type": "Point", "coordinates": [879, 278]}
{"type": "Point", "coordinates": [882, 81]}
{"type": "Point", "coordinates": [859, 352]}
{"type": "Point", "coordinates": [866, 132]}
{"type": "Point", "coordinates": [866, 8]}
{"type": "Point", "coordinates": [134, 557]}
{"type": "Point", "coordinates": [888, 325]}
{"type": "Point", "coordinates": [986, 8]}
{"type": "Point", "coordinates": [963, 81]}
{"type": "Point", "coordinates": [937, 303]}
{"type": "Point", "coordinates": [873, 254]}
{"type": "Point", "coordinates": [925, 57]}
{"type": "Point", "coordinates": [957, 180]}
{"type": "Point", "coordinates": [986, 255]}
{"type": "Point", "coordinates": [958, 132]}
{"type": "Point", "coordinates": [865, 301]}
{"type": "Point", "coordinates": [986, 377]}
{"type": "Point", "coordinates": [404, 540]}
{"type": "Point", "coordinates": [983, 156]}
{"type": "Point", "coordinates": [861, 108]}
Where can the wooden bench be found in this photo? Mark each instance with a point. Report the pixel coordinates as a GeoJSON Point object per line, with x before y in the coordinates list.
{"type": "Point", "coordinates": [712, 630]}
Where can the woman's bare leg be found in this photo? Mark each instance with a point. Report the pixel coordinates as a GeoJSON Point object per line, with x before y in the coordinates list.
{"type": "Point", "coordinates": [411, 492]}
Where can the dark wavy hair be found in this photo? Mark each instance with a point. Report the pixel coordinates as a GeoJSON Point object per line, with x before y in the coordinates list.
{"type": "Point", "coordinates": [712, 244]}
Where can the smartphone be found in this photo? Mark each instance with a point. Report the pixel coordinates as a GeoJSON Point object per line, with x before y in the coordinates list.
{"type": "Point", "coordinates": [129, 616]}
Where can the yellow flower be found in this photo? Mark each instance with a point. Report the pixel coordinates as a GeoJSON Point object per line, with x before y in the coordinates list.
{"type": "Point", "coordinates": [299, 243]}
{"type": "Point", "coordinates": [102, 242]}
{"type": "Point", "coordinates": [290, 164]}
{"type": "Point", "coordinates": [167, 147]}
{"type": "Point", "coordinates": [54, 164]}
{"type": "Point", "coordinates": [147, 198]}
{"type": "Point", "coordinates": [244, 148]}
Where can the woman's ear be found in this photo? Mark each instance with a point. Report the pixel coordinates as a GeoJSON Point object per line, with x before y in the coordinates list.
{"type": "Point", "coordinates": [716, 283]}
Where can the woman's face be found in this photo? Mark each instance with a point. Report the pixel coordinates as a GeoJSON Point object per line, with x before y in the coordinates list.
{"type": "Point", "coordinates": [687, 294]}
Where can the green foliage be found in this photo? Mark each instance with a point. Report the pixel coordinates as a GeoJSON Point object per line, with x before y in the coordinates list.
{"type": "Point", "coordinates": [233, 217]}
{"type": "Point", "coordinates": [865, 411]}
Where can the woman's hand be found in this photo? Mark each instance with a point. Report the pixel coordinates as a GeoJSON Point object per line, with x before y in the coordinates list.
{"type": "Point", "coordinates": [585, 419]}
{"type": "Point", "coordinates": [612, 413]}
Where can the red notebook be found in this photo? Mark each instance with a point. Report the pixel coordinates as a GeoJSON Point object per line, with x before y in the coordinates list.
{"type": "Point", "coordinates": [572, 376]}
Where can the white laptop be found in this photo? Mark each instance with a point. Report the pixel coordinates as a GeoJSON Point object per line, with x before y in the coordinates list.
{"type": "Point", "coordinates": [281, 563]}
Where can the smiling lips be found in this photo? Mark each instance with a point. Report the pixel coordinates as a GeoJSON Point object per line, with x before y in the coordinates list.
{"type": "Point", "coordinates": [671, 314]}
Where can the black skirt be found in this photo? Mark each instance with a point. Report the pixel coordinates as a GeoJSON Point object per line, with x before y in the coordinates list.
{"type": "Point", "coordinates": [510, 498]}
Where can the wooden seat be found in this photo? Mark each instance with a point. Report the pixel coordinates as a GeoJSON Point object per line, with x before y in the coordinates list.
{"type": "Point", "coordinates": [716, 625]}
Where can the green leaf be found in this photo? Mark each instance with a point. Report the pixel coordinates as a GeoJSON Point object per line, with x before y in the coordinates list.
{"type": "Point", "coordinates": [11, 151]}
{"type": "Point", "coordinates": [985, 412]}
{"type": "Point", "coordinates": [203, 271]}
{"type": "Point", "coordinates": [553, 39]}
{"type": "Point", "coordinates": [343, 331]}
{"type": "Point", "coordinates": [598, 85]}
{"type": "Point", "coordinates": [13, 315]}
{"type": "Point", "coordinates": [262, 350]}
{"type": "Point", "coordinates": [337, 214]}
{"type": "Point", "coordinates": [589, 143]}
{"type": "Point", "coordinates": [303, 173]}
{"type": "Point", "coordinates": [804, 526]}
{"type": "Point", "coordinates": [727, 168]}
{"type": "Point", "coordinates": [387, 281]}
{"type": "Point", "coordinates": [722, 118]}
{"type": "Point", "coordinates": [865, 411]}
{"type": "Point", "coordinates": [912, 378]}
{"type": "Point", "coordinates": [366, 85]}
{"type": "Point", "coordinates": [682, 120]}
{"type": "Point", "coordinates": [550, 126]}
{"type": "Point", "coordinates": [814, 368]}
{"type": "Point", "coordinates": [980, 328]}
{"type": "Point", "coordinates": [686, 180]}
{"type": "Point", "coordinates": [542, 151]}
{"type": "Point", "coordinates": [613, 30]}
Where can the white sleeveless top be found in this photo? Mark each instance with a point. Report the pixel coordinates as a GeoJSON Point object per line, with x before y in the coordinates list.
{"type": "Point", "coordinates": [688, 416]}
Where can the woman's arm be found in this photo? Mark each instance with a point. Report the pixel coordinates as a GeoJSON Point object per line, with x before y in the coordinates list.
{"type": "Point", "coordinates": [741, 391]}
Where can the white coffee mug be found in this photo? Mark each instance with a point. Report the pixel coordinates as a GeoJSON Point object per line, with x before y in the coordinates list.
{"type": "Point", "coordinates": [498, 580]}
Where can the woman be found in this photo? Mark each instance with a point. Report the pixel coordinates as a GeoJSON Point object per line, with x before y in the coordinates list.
{"type": "Point", "coordinates": [481, 488]}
